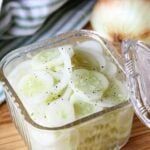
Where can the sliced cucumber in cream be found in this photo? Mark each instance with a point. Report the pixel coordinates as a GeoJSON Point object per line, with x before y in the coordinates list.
{"type": "Point", "coordinates": [60, 112]}
{"type": "Point", "coordinates": [19, 71]}
{"type": "Point", "coordinates": [90, 46]}
{"type": "Point", "coordinates": [84, 60]}
{"type": "Point", "coordinates": [34, 86]}
{"type": "Point", "coordinates": [38, 113]}
{"type": "Point", "coordinates": [91, 83]}
{"type": "Point", "coordinates": [83, 108]}
{"type": "Point", "coordinates": [47, 59]}
{"type": "Point", "coordinates": [47, 55]}
{"type": "Point", "coordinates": [94, 49]}
{"type": "Point", "coordinates": [56, 113]}
{"type": "Point", "coordinates": [110, 69]}
{"type": "Point", "coordinates": [116, 93]}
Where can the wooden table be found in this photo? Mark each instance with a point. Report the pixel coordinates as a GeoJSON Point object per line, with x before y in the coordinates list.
{"type": "Point", "coordinates": [11, 140]}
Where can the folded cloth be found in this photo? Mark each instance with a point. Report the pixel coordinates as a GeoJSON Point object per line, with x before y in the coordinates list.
{"type": "Point", "coordinates": [2, 95]}
{"type": "Point", "coordinates": [25, 17]}
{"type": "Point", "coordinates": [25, 21]}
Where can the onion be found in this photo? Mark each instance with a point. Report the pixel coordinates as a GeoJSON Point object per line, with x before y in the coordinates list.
{"type": "Point", "coordinates": [117, 20]}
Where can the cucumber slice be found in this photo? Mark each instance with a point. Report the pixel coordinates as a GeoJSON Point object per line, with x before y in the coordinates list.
{"type": "Point", "coordinates": [49, 65]}
{"type": "Point", "coordinates": [43, 137]}
{"type": "Point", "coordinates": [83, 108]}
{"type": "Point", "coordinates": [47, 59]}
{"type": "Point", "coordinates": [63, 93]}
{"type": "Point", "coordinates": [91, 83]}
{"type": "Point", "coordinates": [93, 49]}
{"type": "Point", "coordinates": [34, 87]}
{"type": "Point", "coordinates": [110, 69]}
{"type": "Point", "coordinates": [51, 59]}
{"type": "Point", "coordinates": [19, 71]}
{"type": "Point", "coordinates": [38, 113]}
{"type": "Point", "coordinates": [47, 55]}
{"type": "Point", "coordinates": [90, 46]}
{"type": "Point", "coordinates": [116, 93]}
{"type": "Point", "coordinates": [60, 112]}
{"type": "Point", "coordinates": [84, 60]}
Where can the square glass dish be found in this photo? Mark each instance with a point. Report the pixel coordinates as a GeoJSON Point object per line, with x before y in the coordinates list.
{"type": "Point", "coordinates": [106, 129]}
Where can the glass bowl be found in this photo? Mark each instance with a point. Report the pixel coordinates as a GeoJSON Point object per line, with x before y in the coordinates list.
{"type": "Point", "coordinates": [104, 130]}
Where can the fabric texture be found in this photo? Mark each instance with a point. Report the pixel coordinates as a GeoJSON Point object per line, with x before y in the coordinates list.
{"type": "Point", "coordinates": [25, 21]}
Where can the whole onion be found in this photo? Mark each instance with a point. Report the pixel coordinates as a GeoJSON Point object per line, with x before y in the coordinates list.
{"type": "Point", "coordinates": [117, 20]}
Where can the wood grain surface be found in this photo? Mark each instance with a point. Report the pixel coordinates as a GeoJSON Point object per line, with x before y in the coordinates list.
{"type": "Point", "coordinates": [11, 140]}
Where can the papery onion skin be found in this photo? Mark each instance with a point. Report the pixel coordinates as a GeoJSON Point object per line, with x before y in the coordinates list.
{"type": "Point", "coordinates": [117, 20]}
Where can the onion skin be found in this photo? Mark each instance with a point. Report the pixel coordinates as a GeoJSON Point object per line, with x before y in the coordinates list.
{"type": "Point", "coordinates": [117, 20]}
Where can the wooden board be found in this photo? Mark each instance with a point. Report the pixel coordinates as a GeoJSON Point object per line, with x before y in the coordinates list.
{"type": "Point", "coordinates": [11, 140]}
